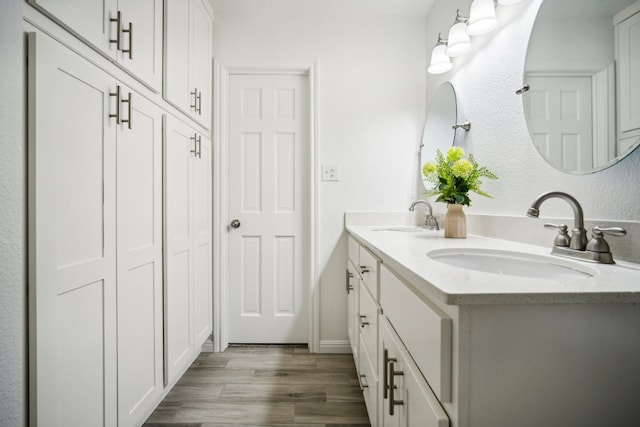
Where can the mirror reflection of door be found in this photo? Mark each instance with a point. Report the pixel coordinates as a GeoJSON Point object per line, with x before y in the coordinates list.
{"type": "Point", "coordinates": [558, 109]}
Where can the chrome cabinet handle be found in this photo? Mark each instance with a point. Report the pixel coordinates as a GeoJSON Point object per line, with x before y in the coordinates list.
{"type": "Point", "coordinates": [235, 223]}
{"type": "Point", "coordinates": [362, 322]}
{"type": "Point", "coordinates": [364, 269]}
{"type": "Point", "coordinates": [117, 114]}
{"type": "Point", "coordinates": [194, 138]}
{"type": "Point", "coordinates": [348, 282]}
{"type": "Point", "coordinates": [199, 99]}
{"type": "Point", "coordinates": [118, 22]}
{"type": "Point", "coordinates": [392, 387]}
{"type": "Point", "coordinates": [363, 385]}
{"type": "Point", "coordinates": [194, 105]}
{"type": "Point", "coordinates": [129, 101]}
{"type": "Point", "coordinates": [385, 372]}
{"type": "Point", "coordinates": [130, 32]}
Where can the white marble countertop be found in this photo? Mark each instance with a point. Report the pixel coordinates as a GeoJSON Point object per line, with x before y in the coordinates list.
{"type": "Point", "coordinates": [406, 254]}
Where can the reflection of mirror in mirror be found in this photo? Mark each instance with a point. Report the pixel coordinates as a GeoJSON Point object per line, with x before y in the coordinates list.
{"type": "Point", "coordinates": [580, 74]}
{"type": "Point", "coordinates": [438, 131]}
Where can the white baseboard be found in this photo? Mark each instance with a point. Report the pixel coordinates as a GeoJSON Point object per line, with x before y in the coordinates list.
{"type": "Point", "coordinates": [207, 347]}
{"type": "Point", "coordinates": [335, 346]}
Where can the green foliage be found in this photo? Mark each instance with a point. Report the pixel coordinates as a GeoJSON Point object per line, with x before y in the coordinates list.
{"type": "Point", "coordinates": [454, 177]}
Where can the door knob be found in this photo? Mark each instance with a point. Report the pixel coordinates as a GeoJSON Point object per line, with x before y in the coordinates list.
{"type": "Point", "coordinates": [235, 223]}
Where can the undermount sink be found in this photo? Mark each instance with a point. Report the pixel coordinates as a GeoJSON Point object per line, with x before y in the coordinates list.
{"type": "Point", "coordinates": [512, 263]}
{"type": "Point", "coordinates": [402, 229]}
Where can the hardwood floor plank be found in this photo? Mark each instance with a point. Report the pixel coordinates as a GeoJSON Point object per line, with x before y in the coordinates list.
{"type": "Point", "coordinates": [331, 412]}
{"type": "Point", "coordinates": [289, 376]}
{"type": "Point", "coordinates": [220, 412]}
{"type": "Point", "coordinates": [272, 393]}
{"type": "Point", "coordinates": [344, 393]}
{"type": "Point", "coordinates": [273, 362]}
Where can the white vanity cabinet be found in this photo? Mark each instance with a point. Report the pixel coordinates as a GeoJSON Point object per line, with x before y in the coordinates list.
{"type": "Point", "coordinates": [129, 32]}
{"type": "Point", "coordinates": [95, 273]}
{"type": "Point", "coordinates": [187, 56]}
{"type": "Point", "coordinates": [469, 354]}
{"type": "Point", "coordinates": [627, 25]}
{"type": "Point", "coordinates": [187, 236]}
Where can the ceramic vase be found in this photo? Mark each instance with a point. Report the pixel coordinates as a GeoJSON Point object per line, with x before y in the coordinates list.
{"type": "Point", "coordinates": [455, 222]}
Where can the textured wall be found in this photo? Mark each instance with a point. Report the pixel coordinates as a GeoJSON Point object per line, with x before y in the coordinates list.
{"type": "Point", "coordinates": [485, 81]}
{"type": "Point", "coordinates": [371, 111]}
{"type": "Point", "coordinates": [12, 218]}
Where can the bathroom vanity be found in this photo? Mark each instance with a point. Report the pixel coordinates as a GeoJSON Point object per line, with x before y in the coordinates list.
{"type": "Point", "coordinates": [552, 342]}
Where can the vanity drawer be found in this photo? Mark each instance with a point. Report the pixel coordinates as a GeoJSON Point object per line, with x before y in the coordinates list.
{"type": "Point", "coordinates": [368, 324]}
{"type": "Point", "coordinates": [353, 248]}
{"type": "Point", "coordinates": [368, 384]}
{"type": "Point", "coordinates": [423, 328]}
{"type": "Point", "coordinates": [369, 271]}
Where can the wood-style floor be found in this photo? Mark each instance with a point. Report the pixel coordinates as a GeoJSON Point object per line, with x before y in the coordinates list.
{"type": "Point", "coordinates": [265, 386]}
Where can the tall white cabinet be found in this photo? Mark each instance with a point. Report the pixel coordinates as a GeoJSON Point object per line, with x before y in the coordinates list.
{"type": "Point", "coordinates": [187, 200]}
{"type": "Point", "coordinates": [120, 250]}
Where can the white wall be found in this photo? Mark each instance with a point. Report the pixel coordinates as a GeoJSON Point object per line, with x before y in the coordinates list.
{"type": "Point", "coordinates": [485, 81]}
{"type": "Point", "coordinates": [12, 218]}
{"type": "Point", "coordinates": [371, 111]}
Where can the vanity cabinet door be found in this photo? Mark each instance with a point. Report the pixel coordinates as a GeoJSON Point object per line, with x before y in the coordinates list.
{"type": "Point", "coordinates": [407, 400]}
{"type": "Point", "coordinates": [369, 270]}
{"type": "Point", "coordinates": [425, 330]}
{"type": "Point", "coordinates": [368, 383]}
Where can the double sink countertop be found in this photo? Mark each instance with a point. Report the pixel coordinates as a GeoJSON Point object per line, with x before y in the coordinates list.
{"type": "Point", "coordinates": [403, 248]}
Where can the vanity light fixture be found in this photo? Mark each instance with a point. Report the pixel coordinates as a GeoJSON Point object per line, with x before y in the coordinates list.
{"type": "Point", "coordinates": [458, 42]}
{"type": "Point", "coordinates": [482, 17]}
{"type": "Point", "coordinates": [440, 61]}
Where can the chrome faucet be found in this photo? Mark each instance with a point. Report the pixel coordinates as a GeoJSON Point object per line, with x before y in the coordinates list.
{"type": "Point", "coordinates": [578, 234]}
{"type": "Point", "coordinates": [430, 221]}
{"type": "Point", "coordinates": [576, 246]}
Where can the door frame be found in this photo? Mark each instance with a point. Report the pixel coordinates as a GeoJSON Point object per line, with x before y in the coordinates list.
{"type": "Point", "coordinates": [222, 71]}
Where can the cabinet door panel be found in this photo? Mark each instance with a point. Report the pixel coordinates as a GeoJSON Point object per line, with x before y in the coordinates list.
{"type": "Point", "coordinates": [139, 195]}
{"type": "Point", "coordinates": [202, 286]}
{"type": "Point", "coordinates": [176, 56]}
{"type": "Point", "coordinates": [178, 292]}
{"type": "Point", "coordinates": [72, 268]}
{"type": "Point", "coordinates": [145, 40]}
{"type": "Point", "coordinates": [89, 19]}
{"type": "Point", "coordinates": [200, 78]}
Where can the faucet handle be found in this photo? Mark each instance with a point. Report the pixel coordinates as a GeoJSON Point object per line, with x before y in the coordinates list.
{"type": "Point", "coordinates": [562, 239]}
{"type": "Point", "coordinates": [612, 231]}
{"type": "Point", "coordinates": [597, 242]}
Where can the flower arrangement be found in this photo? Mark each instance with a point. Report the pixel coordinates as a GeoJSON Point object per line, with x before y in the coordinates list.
{"type": "Point", "coordinates": [454, 176]}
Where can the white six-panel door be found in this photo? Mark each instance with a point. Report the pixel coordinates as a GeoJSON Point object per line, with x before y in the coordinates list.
{"type": "Point", "coordinates": [268, 148]}
{"type": "Point", "coordinates": [72, 239]}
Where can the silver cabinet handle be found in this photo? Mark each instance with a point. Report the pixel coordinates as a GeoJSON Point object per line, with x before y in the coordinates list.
{"type": "Point", "coordinates": [118, 22]}
{"type": "Point", "coordinates": [392, 388]}
{"type": "Point", "coordinates": [363, 385]}
{"type": "Point", "coordinates": [194, 138]}
{"type": "Point", "coordinates": [194, 92]}
{"type": "Point", "coordinates": [348, 282]}
{"type": "Point", "coordinates": [117, 114]}
{"type": "Point", "coordinates": [129, 101]}
{"type": "Point", "coordinates": [130, 31]}
{"type": "Point", "coordinates": [364, 269]}
{"type": "Point", "coordinates": [235, 223]}
{"type": "Point", "coordinates": [385, 372]}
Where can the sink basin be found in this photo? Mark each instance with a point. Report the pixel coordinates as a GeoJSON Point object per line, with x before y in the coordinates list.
{"type": "Point", "coordinates": [402, 229]}
{"type": "Point", "coordinates": [512, 263]}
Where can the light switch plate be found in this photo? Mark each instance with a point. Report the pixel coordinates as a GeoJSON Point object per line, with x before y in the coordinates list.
{"type": "Point", "coordinates": [330, 173]}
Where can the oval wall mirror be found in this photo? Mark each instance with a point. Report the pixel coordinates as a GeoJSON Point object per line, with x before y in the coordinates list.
{"type": "Point", "coordinates": [438, 133]}
{"type": "Point", "coordinates": [582, 83]}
